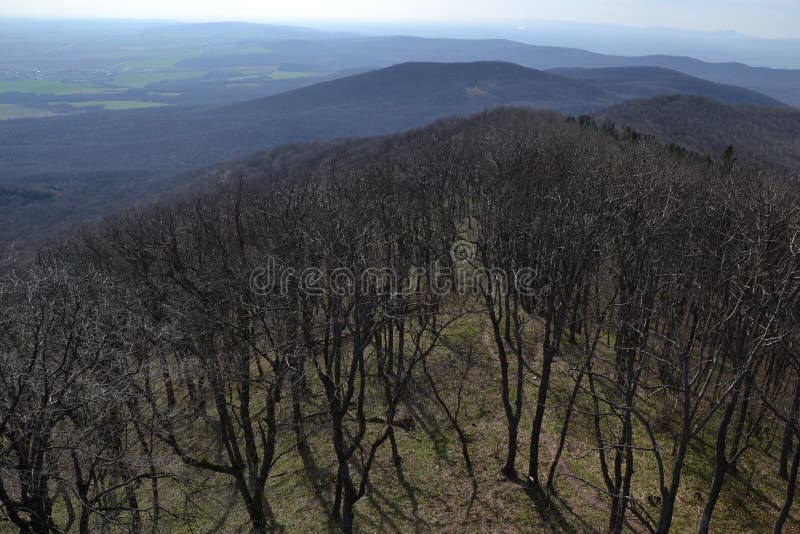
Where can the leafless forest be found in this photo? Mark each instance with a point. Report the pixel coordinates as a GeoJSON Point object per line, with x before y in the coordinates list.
{"type": "Point", "coordinates": [657, 288]}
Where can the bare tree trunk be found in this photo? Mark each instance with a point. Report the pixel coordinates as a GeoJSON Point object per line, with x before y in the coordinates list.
{"type": "Point", "coordinates": [786, 450]}
{"type": "Point", "coordinates": [513, 411]}
{"type": "Point", "coordinates": [742, 419]}
{"type": "Point", "coordinates": [668, 495]}
{"type": "Point", "coordinates": [790, 491]}
{"type": "Point", "coordinates": [622, 458]}
{"type": "Point", "coordinates": [538, 418]}
{"type": "Point", "coordinates": [564, 428]}
{"type": "Point", "coordinates": [720, 464]}
{"type": "Point", "coordinates": [788, 434]}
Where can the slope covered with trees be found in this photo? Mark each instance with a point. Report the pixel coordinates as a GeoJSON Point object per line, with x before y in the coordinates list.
{"type": "Point", "coordinates": [763, 135]}
{"type": "Point", "coordinates": [382, 51]}
{"type": "Point", "coordinates": [72, 169]}
{"type": "Point", "coordinates": [504, 322]}
{"type": "Point", "coordinates": [633, 83]}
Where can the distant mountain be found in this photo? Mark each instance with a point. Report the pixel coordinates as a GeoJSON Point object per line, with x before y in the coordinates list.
{"type": "Point", "coordinates": [228, 56]}
{"type": "Point", "coordinates": [452, 87]}
{"type": "Point", "coordinates": [759, 134]}
{"type": "Point", "coordinates": [244, 30]}
{"type": "Point", "coordinates": [349, 53]}
{"type": "Point", "coordinates": [169, 140]}
{"type": "Point", "coordinates": [641, 82]}
{"type": "Point", "coordinates": [174, 139]}
{"type": "Point", "coordinates": [782, 84]}
{"type": "Point", "coordinates": [615, 39]}
{"type": "Point", "coordinates": [72, 168]}
{"type": "Point", "coordinates": [67, 169]}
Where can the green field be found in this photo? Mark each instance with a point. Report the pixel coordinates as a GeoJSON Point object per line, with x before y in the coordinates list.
{"type": "Point", "coordinates": [158, 62]}
{"type": "Point", "coordinates": [117, 105]}
{"type": "Point", "coordinates": [10, 111]}
{"type": "Point", "coordinates": [282, 75]}
{"type": "Point", "coordinates": [143, 79]}
{"type": "Point", "coordinates": [49, 87]}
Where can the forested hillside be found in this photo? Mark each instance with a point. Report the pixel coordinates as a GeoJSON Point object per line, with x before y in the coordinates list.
{"type": "Point", "coordinates": [644, 82]}
{"type": "Point", "coordinates": [509, 323]}
{"type": "Point", "coordinates": [66, 170]}
{"type": "Point", "coordinates": [383, 51]}
{"type": "Point", "coordinates": [762, 135]}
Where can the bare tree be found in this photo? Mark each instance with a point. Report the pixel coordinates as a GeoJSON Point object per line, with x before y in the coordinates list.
{"type": "Point", "coordinates": [64, 357]}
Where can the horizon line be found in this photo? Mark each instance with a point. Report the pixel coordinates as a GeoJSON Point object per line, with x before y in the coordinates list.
{"type": "Point", "coordinates": [309, 23]}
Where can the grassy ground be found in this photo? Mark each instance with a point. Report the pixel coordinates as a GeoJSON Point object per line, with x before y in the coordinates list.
{"type": "Point", "coordinates": [116, 105]}
{"type": "Point", "coordinates": [10, 111]}
{"type": "Point", "coordinates": [282, 75]}
{"type": "Point", "coordinates": [48, 87]}
{"type": "Point", "coordinates": [158, 62]}
{"type": "Point", "coordinates": [431, 489]}
{"type": "Point", "coordinates": [143, 79]}
{"type": "Point", "coordinates": [135, 74]}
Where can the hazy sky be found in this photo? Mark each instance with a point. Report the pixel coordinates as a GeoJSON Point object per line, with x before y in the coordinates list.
{"type": "Point", "coordinates": [765, 18]}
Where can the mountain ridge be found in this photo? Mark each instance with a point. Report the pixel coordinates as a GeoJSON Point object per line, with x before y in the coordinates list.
{"type": "Point", "coordinates": [339, 54]}
{"type": "Point", "coordinates": [411, 82]}
{"type": "Point", "coordinates": [639, 82]}
{"type": "Point", "coordinates": [90, 164]}
{"type": "Point", "coordinates": [763, 135]}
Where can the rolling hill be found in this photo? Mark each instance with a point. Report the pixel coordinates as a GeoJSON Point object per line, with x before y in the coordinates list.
{"type": "Point", "coordinates": [358, 52]}
{"type": "Point", "coordinates": [642, 82]}
{"type": "Point", "coordinates": [215, 64]}
{"type": "Point", "coordinates": [177, 306]}
{"type": "Point", "coordinates": [455, 87]}
{"type": "Point", "coordinates": [68, 169]}
{"type": "Point", "coordinates": [782, 84]}
{"type": "Point", "coordinates": [145, 142]}
{"type": "Point", "coordinates": [758, 134]}
{"type": "Point", "coordinates": [175, 139]}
